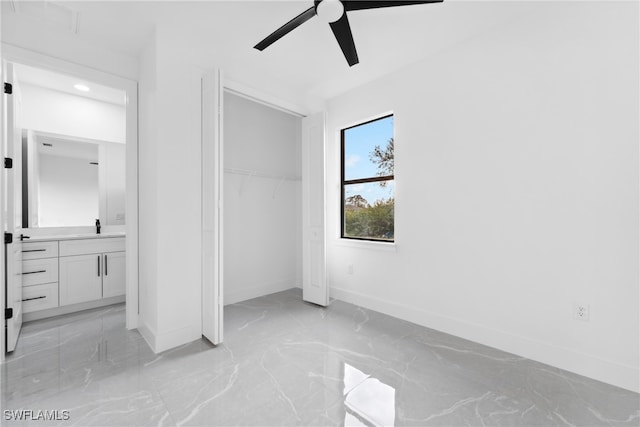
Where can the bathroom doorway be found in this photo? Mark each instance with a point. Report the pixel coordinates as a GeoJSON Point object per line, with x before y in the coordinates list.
{"type": "Point", "coordinates": [78, 167]}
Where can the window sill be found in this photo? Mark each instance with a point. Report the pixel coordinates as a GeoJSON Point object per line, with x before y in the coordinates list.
{"type": "Point", "coordinates": [367, 244]}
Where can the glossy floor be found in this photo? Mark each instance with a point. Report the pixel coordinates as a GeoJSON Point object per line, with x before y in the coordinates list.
{"type": "Point", "coordinates": [285, 362]}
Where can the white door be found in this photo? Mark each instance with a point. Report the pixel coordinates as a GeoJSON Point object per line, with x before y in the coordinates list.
{"type": "Point", "coordinates": [314, 275]}
{"type": "Point", "coordinates": [12, 206]}
{"type": "Point", "coordinates": [212, 174]}
{"type": "Point", "coordinates": [114, 274]}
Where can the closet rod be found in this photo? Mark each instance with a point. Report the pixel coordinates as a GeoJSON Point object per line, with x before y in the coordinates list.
{"type": "Point", "coordinates": [254, 173]}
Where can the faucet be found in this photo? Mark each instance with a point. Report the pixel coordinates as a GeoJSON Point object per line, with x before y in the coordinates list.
{"type": "Point", "coordinates": [97, 226]}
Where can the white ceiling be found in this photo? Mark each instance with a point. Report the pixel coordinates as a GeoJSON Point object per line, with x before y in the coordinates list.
{"type": "Point", "coordinates": [64, 83]}
{"type": "Point", "coordinates": [307, 63]}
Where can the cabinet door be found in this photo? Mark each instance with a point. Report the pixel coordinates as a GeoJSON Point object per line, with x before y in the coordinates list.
{"type": "Point", "coordinates": [80, 278]}
{"type": "Point", "coordinates": [113, 277]}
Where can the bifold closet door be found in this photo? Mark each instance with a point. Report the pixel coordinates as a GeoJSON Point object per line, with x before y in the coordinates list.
{"type": "Point", "coordinates": [314, 275]}
{"type": "Point", "coordinates": [212, 185]}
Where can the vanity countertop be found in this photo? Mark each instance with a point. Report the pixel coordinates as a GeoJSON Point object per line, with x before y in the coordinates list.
{"type": "Point", "coordinates": [74, 237]}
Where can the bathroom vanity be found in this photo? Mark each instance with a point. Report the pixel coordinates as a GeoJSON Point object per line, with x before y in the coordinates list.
{"type": "Point", "coordinates": [63, 274]}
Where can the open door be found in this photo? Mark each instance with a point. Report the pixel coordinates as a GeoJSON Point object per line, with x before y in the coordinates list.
{"type": "Point", "coordinates": [314, 275]}
{"type": "Point", "coordinates": [12, 207]}
{"type": "Point", "coordinates": [212, 185]}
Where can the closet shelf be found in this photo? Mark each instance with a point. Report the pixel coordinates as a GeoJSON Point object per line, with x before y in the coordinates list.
{"type": "Point", "coordinates": [258, 174]}
{"type": "Point", "coordinates": [249, 174]}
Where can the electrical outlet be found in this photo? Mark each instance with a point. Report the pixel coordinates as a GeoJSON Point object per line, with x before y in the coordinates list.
{"type": "Point", "coordinates": [581, 312]}
{"type": "Point", "coordinates": [350, 269]}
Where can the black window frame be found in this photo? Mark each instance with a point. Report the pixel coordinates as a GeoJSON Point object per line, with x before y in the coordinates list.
{"type": "Point", "coordinates": [343, 183]}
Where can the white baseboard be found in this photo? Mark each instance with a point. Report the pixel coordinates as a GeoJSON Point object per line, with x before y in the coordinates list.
{"type": "Point", "coordinates": [627, 377]}
{"type": "Point", "coordinates": [147, 333]}
{"type": "Point", "coordinates": [66, 309]}
{"type": "Point", "coordinates": [176, 337]}
{"type": "Point", "coordinates": [255, 291]}
{"type": "Point", "coordinates": [159, 342]}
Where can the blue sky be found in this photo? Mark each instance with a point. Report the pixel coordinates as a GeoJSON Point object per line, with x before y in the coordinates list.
{"type": "Point", "coordinates": [359, 143]}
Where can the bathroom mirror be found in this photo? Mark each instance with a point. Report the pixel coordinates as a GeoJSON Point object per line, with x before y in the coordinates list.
{"type": "Point", "coordinates": [71, 182]}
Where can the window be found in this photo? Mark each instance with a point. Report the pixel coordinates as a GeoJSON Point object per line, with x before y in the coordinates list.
{"type": "Point", "coordinates": [368, 191]}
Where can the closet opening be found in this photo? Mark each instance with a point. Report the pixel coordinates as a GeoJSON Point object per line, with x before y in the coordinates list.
{"type": "Point", "coordinates": [262, 198]}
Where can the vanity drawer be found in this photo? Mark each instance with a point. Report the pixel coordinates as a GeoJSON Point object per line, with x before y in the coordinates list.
{"type": "Point", "coordinates": [39, 271]}
{"type": "Point", "coordinates": [36, 250]}
{"type": "Point", "coordinates": [39, 297]}
{"type": "Point", "coordinates": [91, 246]}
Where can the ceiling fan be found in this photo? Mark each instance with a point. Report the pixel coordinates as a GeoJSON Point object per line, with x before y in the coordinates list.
{"type": "Point", "coordinates": [334, 12]}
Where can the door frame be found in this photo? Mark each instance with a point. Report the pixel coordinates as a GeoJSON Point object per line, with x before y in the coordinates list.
{"type": "Point", "coordinates": [26, 57]}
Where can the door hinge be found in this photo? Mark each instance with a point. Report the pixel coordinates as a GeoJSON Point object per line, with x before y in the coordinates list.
{"type": "Point", "coordinates": [8, 163]}
{"type": "Point", "coordinates": [8, 238]}
{"type": "Point", "coordinates": [8, 88]}
{"type": "Point", "coordinates": [8, 313]}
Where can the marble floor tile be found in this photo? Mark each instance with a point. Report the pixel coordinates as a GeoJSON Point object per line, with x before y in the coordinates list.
{"type": "Point", "coordinates": [285, 362]}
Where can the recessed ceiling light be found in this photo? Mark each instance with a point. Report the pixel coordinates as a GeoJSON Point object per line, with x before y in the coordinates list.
{"type": "Point", "coordinates": [81, 87]}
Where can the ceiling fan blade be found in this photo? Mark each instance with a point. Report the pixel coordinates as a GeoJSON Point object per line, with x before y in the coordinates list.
{"type": "Point", "coordinates": [287, 28]}
{"type": "Point", "coordinates": [342, 30]}
{"type": "Point", "coordinates": [375, 4]}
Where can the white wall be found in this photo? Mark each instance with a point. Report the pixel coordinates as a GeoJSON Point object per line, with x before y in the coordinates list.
{"type": "Point", "coordinates": [113, 184]}
{"type": "Point", "coordinates": [170, 196]}
{"type": "Point", "coordinates": [148, 195]}
{"type": "Point", "coordinates": [68, 191]}
{"type": "Point", "coordinates": [261, 233]}
{"type": "Point", "coordinates": [62, 113]}
{"type": "Point", "coordinates": [517, 191]}
{"type": "Point", "coordinates": [32, 35]}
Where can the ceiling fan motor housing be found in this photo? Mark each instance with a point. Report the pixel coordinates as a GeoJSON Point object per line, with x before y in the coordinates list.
{"type": "Point", "coordinates": [329, 10]}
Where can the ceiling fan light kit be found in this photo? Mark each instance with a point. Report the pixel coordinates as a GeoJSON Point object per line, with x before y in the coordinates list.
{"type": "Point", "coordinates": [334, 12]}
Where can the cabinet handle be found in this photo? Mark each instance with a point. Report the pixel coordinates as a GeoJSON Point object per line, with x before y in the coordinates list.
{"type": "Point", "coordinates": [31, 299]}
{"type": "Point", "coordinates": [105, 265]}
{"type": "Point", "coordinates": [34, 250]}
{"type": "Point", "coordinates": [98, 265]}
{"type": "Point", "coordinates": [34, 272]}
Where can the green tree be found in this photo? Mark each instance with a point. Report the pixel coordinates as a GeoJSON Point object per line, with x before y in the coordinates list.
{"type": "Point", "coordinates": [373, 221]}
{"type": "Point", "coordinates": [384, 158]}
{"type": "Point", "coordinates": [356, 201]}
{"type": "Point", "coordinates": [355, 223]}
{"type": "Point", "coordinates": [380, 219]}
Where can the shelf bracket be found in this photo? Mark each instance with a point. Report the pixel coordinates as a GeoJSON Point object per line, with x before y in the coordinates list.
{"type": "Point", "coordinates": [275, 190]}
{"type": "Point", "coordinates": [245, 181]}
